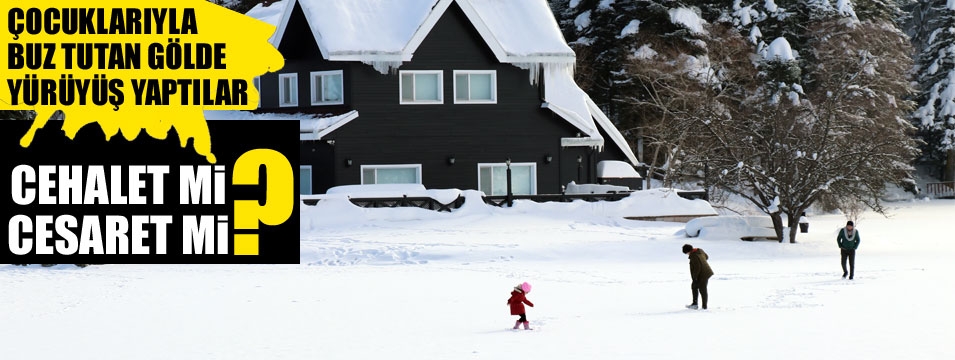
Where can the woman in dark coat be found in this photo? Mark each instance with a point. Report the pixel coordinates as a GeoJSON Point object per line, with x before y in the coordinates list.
{"type": "Point", "coordinates": [700, 272]}
{"type": "Point", "coordinates": [517, 302]}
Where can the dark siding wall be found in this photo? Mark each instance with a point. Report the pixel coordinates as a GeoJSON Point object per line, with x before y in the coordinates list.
{"type": "Point", "coordinates": [388, 133]}
{"type": "Point", "coordinates": [570, 169]}
{"type": "Point", "coordinates": [320, 155]}
{"type": "Point", "coordinates": [302, 56]}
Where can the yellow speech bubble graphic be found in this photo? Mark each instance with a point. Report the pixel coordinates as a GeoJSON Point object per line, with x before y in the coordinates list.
{"type": "Point", "coordinates": [132, 69]}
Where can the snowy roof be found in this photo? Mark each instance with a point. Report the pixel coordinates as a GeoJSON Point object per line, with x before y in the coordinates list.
{"type": "Point", "coordinates": [616, 169]}
{"type": "Point", "coordinates": [387, 32]}
{"type": "Point", "coordinates": [271, 14]}
{"type": "Point", "coordinates": [526, 30]}
{"type": "Point", "coordinates": [567, 100]}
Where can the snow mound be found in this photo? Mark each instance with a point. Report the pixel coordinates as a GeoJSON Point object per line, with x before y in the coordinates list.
{"type": "Point", "coordinates": [444, 196]}
{"type": "Point", "coordinates": [336, 210]}
{"type": "Point", "coordinates": [644, 203]}
{"type": "Point", "coordinates": [573, 188]}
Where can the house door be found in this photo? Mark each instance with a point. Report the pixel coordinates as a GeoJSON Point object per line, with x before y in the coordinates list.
{"type": "Point", "coordinates": [575, 165]}
{"type": "Point", "coordinates": [316, 167]}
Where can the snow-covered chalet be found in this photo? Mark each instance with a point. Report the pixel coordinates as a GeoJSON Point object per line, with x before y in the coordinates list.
{"type": "Point", "coordinates": [436, 92]}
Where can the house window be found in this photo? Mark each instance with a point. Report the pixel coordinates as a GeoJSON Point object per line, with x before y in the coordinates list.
{"type": "Point", "coordinates": [305, 180]}
{"type": "Point", "coordinates": [288, 90]}
{"type": "Point", "coordinates": [421, 87]}
{"type": "Point", "coordinates": [492, 178]}
{"type": "Point", "coordinates": [475, 87]}
{"type": "Point", "coordinates": [327, 88]}
{"type": "Point", "coordinates": [258, 89]}
{"type": "Point", "coordinates": [390, 174]}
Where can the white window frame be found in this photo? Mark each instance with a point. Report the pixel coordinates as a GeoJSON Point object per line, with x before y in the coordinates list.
{"type": "Point", "coordinates": [257, 83]}
{"type": "Point", "coordinates": [402, 101]}
{"type": "Point", "coordinates": [323, 74]}
{"type": "Point", "coordinates": [493, 74]}
{"type": "Point", "coordinates": [513, 164]}
{"type": "Point", "coordinates": [294, 77]}
{"type": "Point", "coordinates": [417, 168]}
{"type": "Point", "coordinates": [310, 181]}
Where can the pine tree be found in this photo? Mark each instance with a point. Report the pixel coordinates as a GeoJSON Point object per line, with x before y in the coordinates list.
{"type": "Point", "coordinates": [935, 116]}
{"type": "Point", "coordinates": [607, 35]}
{"type": "Point", "coordinates": [592, 27]}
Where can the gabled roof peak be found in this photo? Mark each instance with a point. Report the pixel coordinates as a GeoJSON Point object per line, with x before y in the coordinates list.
{"type": "Point", "coordinates": [390, 31]}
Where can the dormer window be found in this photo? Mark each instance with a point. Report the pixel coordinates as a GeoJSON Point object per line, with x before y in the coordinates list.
{"type": "Point", "coordinates": [421, 87]}
{"type": "Point", "coordinates": [288, 90]}
{"type": "Point", "coordinates": [475, 87]}
{"type": "Point", "coordinates": [327, 88]}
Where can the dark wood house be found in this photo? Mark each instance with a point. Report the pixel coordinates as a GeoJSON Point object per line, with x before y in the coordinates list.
{"type": "Point", "coordinates": [437, 92]}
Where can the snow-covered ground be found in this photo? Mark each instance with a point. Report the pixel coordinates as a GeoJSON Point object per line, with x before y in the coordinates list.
{"type": "Point", "coordinates": [415, 284]}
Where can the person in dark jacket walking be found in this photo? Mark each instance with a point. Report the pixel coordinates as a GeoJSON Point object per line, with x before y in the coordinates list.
{"type": "Point", "coordinates": [517, 302]}
{"type": "Point", "coordinates": [700, 272]}
{"type": "Point", "coordinates": [848, 241]}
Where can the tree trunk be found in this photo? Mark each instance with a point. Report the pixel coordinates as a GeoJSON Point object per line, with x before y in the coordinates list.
{"type": "Point", "coordinates": [793, 226]}
{"type": "Point", "coordinates": [950, 167]}
{"type": "Point", "coordinates": [777, 224]}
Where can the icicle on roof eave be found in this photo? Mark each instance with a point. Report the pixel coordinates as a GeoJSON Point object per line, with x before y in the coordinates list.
{"type": "Point", "coordinates": [535, 68]}
{"type": "Point", "coordinates": [318, 128]}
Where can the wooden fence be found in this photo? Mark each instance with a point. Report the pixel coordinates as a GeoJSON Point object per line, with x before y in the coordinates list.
{"type": "Point", "coordinates": [941, 190]}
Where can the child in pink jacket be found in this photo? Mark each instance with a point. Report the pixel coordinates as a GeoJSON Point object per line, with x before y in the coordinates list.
{"type": "Point", "coordinates": [517, 302]}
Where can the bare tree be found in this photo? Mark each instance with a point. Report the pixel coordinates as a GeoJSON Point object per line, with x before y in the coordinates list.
{"type": "Point", "coordinates": [678, 93]}
{"type": "Point", "coordinates": [780, 145]}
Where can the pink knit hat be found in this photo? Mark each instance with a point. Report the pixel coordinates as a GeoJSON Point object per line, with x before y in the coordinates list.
{"type": "Point", "coordinates": [525, 287]}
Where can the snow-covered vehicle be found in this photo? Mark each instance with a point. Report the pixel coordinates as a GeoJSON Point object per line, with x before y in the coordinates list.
{"type": "Point", "coordinates": [744, 227]}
